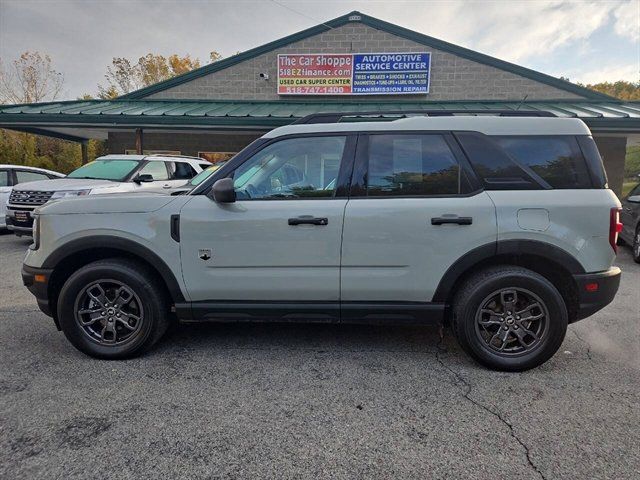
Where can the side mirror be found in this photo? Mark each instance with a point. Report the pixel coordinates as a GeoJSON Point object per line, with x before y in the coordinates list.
{"type": "Point", "coordinates": [223, 191]}
{"type": "Point", "coordinates": [634, 199]}
{"type": "Point", "coordinates": [144, 178]}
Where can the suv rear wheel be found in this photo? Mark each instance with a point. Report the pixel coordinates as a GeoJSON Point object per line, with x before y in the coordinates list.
{"type": "Point", "coordinates": [509, 318]}
{"type": "Point", "coordinates": [113, 309]}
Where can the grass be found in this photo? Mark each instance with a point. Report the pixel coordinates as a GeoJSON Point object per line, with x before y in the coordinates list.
{"type": "Point", "coordinates": [627, 186]}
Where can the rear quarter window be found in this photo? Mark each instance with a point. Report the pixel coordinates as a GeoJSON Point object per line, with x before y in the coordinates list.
{"type": "Point", "coordinates": [181, 171]}
{"type": "Point", "coordinates": [558, 160]}
{"type": "Point", "coordinates": [495, 168]}
{"type": "Point", "coordinates": [594, 160]}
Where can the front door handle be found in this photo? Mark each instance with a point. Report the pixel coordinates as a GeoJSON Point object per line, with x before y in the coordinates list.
{"type": "Point", "coordinates": [308, 220]}
{"type": "Point", "coordinates": [451, 220]}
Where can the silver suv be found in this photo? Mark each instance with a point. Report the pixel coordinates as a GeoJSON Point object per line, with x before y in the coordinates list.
{"type": "Point", "coordinates": [105, 175]}
{"type": "Point", "coordinates": [501, 227]}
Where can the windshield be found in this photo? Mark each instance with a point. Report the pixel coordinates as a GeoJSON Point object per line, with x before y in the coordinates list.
{"type": "Point", "coordinates": [116, 170]}
{"type": "Point", "coordinates": [203, 175]}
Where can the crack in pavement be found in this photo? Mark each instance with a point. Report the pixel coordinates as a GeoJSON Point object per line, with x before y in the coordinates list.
{"type": "Point", "coordinates": [27, 310]}
{"type": "Point", "coordinates": [466, 393]}
{"type": "Point", "coordinates": [583, 341]}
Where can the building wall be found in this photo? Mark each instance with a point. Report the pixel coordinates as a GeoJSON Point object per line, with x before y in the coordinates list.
{"type": "Point", "coordinates": [613, 151]}
{"type": "Point", "coordinates": [452, 77]}
{"type": "Point", "coordinates": [185, 143]}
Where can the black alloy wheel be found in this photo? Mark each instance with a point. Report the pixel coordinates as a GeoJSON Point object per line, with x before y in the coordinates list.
{"type": "Point", "coordinates": [509, 318]}
{"type": "Point", "coordinates": [512, 321]}
{"type": "Point", "coordinates": [109, 312]}
{"type": "Point", "coordinates": [114, 308]}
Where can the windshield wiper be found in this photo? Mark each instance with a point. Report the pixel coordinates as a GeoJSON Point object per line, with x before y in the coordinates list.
{"type": "Point", "coordinates": [94, 178]}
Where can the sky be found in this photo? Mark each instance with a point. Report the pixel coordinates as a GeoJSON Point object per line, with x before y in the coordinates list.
{"type": "Point", "coordinates": [583, 40]}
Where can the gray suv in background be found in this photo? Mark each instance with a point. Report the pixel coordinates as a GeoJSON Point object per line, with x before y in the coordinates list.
{"type": "Point", "coordinates": [501, 227]}
{"type": "Point", "coordinates": [630, 218]}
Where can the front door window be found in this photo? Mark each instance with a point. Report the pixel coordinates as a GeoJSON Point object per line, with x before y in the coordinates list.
{"type": "Point", "coordinates": [156, 169]}
{"type": "Point", "coordinates": [292, 168]}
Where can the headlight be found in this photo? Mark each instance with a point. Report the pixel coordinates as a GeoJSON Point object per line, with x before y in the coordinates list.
{"type": "Point", "coordinates": [36, 233]}
{"type": "Point", "coordinates": [70, 193]}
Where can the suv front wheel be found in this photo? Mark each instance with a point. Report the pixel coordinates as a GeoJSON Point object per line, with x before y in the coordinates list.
{"type": "Point", "coordinates": [509, 318]}
{"type": "Point", "coordinates": [113, 309]}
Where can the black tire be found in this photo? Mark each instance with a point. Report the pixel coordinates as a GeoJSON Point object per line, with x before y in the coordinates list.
{"type": "Point", "coordinates": [128, 277]}
{"type": "Point", "coordinates": [635, 248]}
{"type": "Point", "coordinates": [474, 321]}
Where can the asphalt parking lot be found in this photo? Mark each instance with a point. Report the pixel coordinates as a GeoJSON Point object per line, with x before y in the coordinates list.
{"type": "Point", "coordinates": [315, 401]}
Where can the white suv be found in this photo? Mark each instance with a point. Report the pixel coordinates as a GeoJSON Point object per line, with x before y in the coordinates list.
{"type": "Point", "coordinates": [107, 174]}
{"type": "Point", "coordinates": [504, 228]}
{"type": "Point", "coordinates": [13, 174]}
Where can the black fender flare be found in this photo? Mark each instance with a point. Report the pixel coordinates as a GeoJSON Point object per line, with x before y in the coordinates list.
{"type": "Point", "coordinates": [127, 246]}
{"type": "Point", "coordinates": [504, 247]}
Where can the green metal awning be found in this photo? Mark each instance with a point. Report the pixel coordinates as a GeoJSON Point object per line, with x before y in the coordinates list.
{"type": "Point", "coordinates": [83, 119]}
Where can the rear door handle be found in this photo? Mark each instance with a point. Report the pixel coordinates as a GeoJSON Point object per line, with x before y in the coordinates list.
{"type": "Point", "coordinates": [451, 220]}
{"type": "Point", "coordinates": [308, 220]}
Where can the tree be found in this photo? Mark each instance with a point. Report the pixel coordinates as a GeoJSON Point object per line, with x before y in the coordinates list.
{"type": "Point", "coordinates": [30, 79]}
{"type": "Point", "coordinates": [621, 89]}
{"type": "Point", "coordinates": [121, 77]}
{"type": "Point", "coordinates": [124, 76]}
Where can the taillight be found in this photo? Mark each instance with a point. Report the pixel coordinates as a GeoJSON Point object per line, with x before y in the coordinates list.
{"type": "Point", "coordinates": [615, 227]}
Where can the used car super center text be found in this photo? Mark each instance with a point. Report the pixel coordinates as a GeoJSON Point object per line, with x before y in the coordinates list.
{"type": "Point", "coordinates": [482, 211]}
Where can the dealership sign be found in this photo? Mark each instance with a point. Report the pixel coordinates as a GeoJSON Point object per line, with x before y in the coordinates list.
{"type": "Point", "coordinates": [354, 74]}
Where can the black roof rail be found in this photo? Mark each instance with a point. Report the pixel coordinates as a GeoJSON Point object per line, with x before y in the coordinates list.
{"type": "Point", "coordinates": [336, 117]}
{"type": "Point", "coordinates": [174, 155]}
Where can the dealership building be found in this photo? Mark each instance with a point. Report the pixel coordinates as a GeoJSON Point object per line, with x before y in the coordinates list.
{"type": "Point", "coordinates": [354, 63]}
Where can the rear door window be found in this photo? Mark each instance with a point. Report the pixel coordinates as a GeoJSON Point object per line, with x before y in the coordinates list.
{"type": "Point", "coordinates": [556, 159]}
{"type": "Point", "coordinates": [412, 165]}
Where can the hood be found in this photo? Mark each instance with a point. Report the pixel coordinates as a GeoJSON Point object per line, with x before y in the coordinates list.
{"type": "Point", "coordinates": [115, 203]}
{"type": "Point", "coordinates": [58, 184]}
